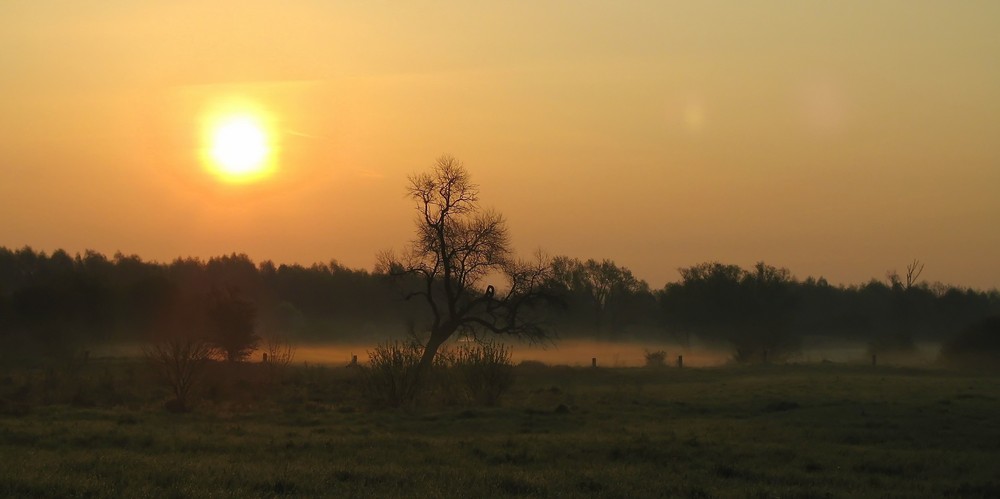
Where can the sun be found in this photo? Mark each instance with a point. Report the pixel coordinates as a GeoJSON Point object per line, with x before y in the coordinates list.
{"type": "Point", "coordinates": [238, 147]}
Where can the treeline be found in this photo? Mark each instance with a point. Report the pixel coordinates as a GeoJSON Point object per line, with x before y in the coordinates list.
{"type": "Point", "coordinates": [60, 302]}
{"type": "Point", "coordinates": [53, 303]}
{"type": "Point", "coordinates": [765, 309]}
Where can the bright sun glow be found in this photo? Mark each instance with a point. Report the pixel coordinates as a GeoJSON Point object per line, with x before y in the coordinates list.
{"type": "Point", "coordinates": [238, 147]}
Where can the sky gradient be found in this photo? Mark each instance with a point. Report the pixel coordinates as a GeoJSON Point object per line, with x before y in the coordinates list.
{"type": "Point", "coordinates": [838, 139]}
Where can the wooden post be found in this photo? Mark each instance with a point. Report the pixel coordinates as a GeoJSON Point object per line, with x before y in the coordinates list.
{"type": "Point", "coordinates": [593, 362]}
{"type": "Point", "coordinates": [680, 361]}
{"type": "Point", "coordinates": [264, 357]}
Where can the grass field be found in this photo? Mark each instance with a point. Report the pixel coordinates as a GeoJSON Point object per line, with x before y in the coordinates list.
{"type": "Point", "coordinates": [807, 431]}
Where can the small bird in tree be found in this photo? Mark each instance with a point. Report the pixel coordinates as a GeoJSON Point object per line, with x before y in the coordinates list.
{"type": "Point", "coordinates": [490, 291]}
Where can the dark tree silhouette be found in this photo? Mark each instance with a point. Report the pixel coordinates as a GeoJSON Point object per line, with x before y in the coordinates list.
{"type": "Point", "coordinates": [232, 325]}
{"type": "Point", "coordinates": [751, 310]}
{"type": "Point", "coordinates": [906, 297]}
{"type": "Point", "coordinates": [603, 296]}
{"type": "Point", "coordinates": [458, 246]}
{"type": "Point", "coordinates": [179, 362]}
{"type": "Point", "coordinates": [913, 271]}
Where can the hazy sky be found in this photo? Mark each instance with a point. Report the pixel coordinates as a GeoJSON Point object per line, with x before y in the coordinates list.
{"type": "Point", "coordinates": [840, 139]}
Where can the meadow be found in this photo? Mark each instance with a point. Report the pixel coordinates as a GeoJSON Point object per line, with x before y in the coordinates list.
{"type": "Point", "coordinates": [99, 429]}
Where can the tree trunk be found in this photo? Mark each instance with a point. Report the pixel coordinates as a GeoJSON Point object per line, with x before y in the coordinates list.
{"type": "Point", "coordinates": [438, 338]}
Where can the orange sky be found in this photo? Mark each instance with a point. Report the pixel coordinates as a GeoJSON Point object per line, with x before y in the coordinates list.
{"type": "Point", "coordinates": [840, 139]}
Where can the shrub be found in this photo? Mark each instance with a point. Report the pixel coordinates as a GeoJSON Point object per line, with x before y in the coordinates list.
{"type": "Point", "coordinates": [656, 359]}
{"type": "Point", "coordinates": [485, 369]}
{"type": "Point", "coordinates": [278, 355]}
{"type": "Point", "coordinates": [179, 362]}
{"type": "Point", "coordinates": [390, 378]}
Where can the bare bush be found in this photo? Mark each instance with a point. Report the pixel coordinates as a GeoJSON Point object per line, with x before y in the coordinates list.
{"type": "Point", "coordinates": [180, 363]}
{"type": "Point", "coordinates": [485, 369]}
{"type": "Point", "coordinates": [656, 358]}
{"type": "Point", "coordinates": [279, 353]}
{"type": "Point", "coordinates": [390, 377]}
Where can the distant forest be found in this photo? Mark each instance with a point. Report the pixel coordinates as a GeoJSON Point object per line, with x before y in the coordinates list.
{"type": "Point", "coordinates": [52, 304]}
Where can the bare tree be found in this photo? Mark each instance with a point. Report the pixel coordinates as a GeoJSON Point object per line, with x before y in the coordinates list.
{"type": "Point", "coordinates": [458, 246]}
{"type": "Point", "coordinates": [179, 363]}
{"type": "Point", "coordinates": [913, 271]}
{"type": "Point", "coordinates": [905, 311]}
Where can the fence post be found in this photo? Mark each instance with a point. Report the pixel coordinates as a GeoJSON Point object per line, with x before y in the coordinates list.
{"type": "Point", "coordinates": [593, 362]}
{"type": "Point", "coordinates": [680, 361]}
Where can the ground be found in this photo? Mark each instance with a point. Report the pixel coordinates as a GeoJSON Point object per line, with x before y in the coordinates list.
{"type": "Point", "coordinates": [822, 430]}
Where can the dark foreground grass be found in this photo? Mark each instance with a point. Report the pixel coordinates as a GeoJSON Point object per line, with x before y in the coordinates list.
{"type": "Point", "coordinates": [769, 431]}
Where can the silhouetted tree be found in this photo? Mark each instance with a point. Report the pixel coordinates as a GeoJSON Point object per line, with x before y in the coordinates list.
{"type": "Point", "coordinates": [751, 310]}
{"type": "Point", "coordinates": [771, 301]}
{"type": "Point", "coordinates": [913, 271]}
{"type": "Point", "coordinates": [232, 325]}
{"type": "Point", "coordinates": [907, 296]}
{"type": "Point", "coordinates": [602, 295]}
{"type": "Point", "coordinates": [458, 246]}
